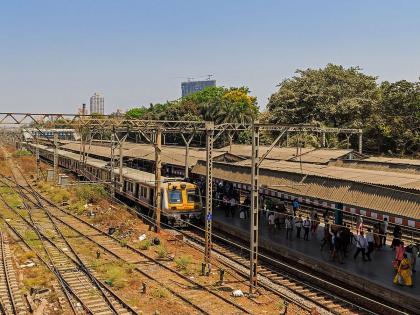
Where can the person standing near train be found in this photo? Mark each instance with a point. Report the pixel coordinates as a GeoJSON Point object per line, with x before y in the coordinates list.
{"type": "Point", "coordinates": [295, 206]}
{"type": "Point", "coordinates": [306, 226]}
{"type": "Point", "coordinates": [298, 226]}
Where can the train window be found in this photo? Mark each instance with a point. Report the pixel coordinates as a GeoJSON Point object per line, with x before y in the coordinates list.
{"type": "Point", "coordinates": [193, 195]}
{"type": "Point", "coordinates": [175, 196]}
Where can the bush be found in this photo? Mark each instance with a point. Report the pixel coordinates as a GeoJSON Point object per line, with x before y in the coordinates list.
{"type": "Point", "coordinates": [145, 244]}
{"type": "Point", "coordinates": [19, 153]}
{"type": "Point", "coordinates": [159, 293]}
{"type": "Point", "coordinates": [60, 196]}
{"type": "Point", "coordinates": [183, 263]}
{"type": "Point", "coordinates": [78, 207]}
{"type": "Point", "coordinates": [162, 251]}
{"type": "Point", "coordinates": [91, 193]}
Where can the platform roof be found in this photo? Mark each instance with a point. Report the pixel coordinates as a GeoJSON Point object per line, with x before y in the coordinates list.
{"type": "Point", "coordinates": [306, 155]}
{"type": "Point", "coordinates": [325, 186]}
{"type": "Point", "coordinates": [389, 160]}
{"type": "Point", "coordinates": [376, 177]}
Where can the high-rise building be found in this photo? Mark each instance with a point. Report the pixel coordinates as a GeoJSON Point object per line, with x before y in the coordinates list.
{"type": "Point", "coordinates": [97, 104]}
{"type": "Point", "coordinates": [191, 87]}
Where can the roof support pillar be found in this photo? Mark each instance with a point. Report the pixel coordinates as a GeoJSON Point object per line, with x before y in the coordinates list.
{"type": "Point", "coordinates": [360, 141]}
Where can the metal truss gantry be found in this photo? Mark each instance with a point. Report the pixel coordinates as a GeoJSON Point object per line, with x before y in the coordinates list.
{"type": "Point", "coordinates": [152, 131]}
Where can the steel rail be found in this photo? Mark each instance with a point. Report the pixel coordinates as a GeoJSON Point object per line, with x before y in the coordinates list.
{"type": "Point", "coordinates": [51, 265]}
{"type": "Point", "coordinates": [186, 300]}
{"type": "Point", "coordinates": [135, 251]}
{"type": "Point", "coordinates": [6, 276]}
{"type": "Point", "coordinates": [80, 263]}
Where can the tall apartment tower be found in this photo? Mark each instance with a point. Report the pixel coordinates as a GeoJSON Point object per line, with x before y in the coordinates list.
{"type": "Point", "coordinates": [97, 104]}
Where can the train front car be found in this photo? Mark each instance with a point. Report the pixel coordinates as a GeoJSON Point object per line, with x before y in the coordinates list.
{"type": "Point", "coordinates": [181, 203]}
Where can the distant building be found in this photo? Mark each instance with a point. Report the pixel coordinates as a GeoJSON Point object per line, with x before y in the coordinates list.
{"type": "Point", "coordinates": [191, 87]}
{"type": "Point", "coordinates": [97, 104]}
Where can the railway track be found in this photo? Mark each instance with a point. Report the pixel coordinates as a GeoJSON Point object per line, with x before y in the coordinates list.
{"type": "Point", "coordinates": [279, 273]}
{"type": "Point", "coordinates": [11, 301]}
{"type": "Point", "coordinates": [85, 293]}
{"type": "Point", "coordinates": [189, 291]}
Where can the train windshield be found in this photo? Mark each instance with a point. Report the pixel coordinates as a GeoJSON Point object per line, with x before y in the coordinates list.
{"type": "Point", "coordinates": [193, 195]}
{"type": "Point", "coordinates": [175, 196]}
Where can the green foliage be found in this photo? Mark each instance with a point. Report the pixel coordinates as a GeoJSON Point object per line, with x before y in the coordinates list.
{"type": "Point", "coordinates": [145, 244]}
{"type": "Point", "coordinates": [137, 113]}
{"type": "Point", "coordinates": [398, 126]}
{"type": "Point", "coordinates": [11, 197]}
{"type": "Point", "coordinates": [159, 292]}
{"type": "Point", "coordinates": [116, 275]}
{"type": "Point", "coordinates": [218, 104]}
{"type": "Point", "coordinates": [91, 193]}
{"type": "Point", "coordinates": [183, 263]}
{"type": "Point", "coordinates": [334, 96]}
{"type": "Point", "coordinates": [161, 251]}
{"type": "Point", "coordinates": [20, 153]}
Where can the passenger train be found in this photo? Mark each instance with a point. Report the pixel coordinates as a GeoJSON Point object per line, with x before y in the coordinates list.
{"type": "Point", "coordinates": [181, 202]}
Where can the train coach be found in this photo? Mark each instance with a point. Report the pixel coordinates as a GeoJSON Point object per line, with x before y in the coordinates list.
{"type": "Point", "coordinates": [181, 201]}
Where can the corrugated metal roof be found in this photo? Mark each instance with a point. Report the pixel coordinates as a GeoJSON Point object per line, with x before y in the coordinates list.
{"type": "Point", "coordinates": [395, 179]}
{"type": "Point", "coordinates": [321, 156]}
{"type": "Point", "coordinates": [357, 194]}
{"type": "Point", "coordinates": [377, 159]}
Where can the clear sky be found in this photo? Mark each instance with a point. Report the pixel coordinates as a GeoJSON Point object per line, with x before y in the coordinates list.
{"type": "Point", "coordinates": [54, 54]}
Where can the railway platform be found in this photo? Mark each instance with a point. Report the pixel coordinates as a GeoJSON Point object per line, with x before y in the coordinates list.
{"type": "Point", "coordinates": [374, 277]}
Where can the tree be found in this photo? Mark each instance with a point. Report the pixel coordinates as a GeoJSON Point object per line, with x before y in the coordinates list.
{"type": "Point", "coordinates": [136, 113]}
{"type": "Point", "coordinates": [333, 96]}
{"type": "Point", "coordinates": [399, 127]}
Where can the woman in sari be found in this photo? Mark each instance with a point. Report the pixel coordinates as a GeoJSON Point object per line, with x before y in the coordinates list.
{"type": "Point", "coordinates": [403, 276]}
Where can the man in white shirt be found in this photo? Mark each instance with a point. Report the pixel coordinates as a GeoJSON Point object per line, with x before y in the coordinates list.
{"type": "Point", "coordinates": [232, 206]}
{"type": "Point", "coordinates": [371, 241]}
{"type": "Point", "coordinates": [361, 245]}
{"type": "Point", "coordinates": [306, 227]}
{"type": "Point", "coordinates": [288, 226]}
{"type": "Point", "coordinates": [271, 221]}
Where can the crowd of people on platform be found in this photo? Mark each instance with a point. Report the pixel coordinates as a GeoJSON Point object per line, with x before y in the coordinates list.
{"type": "Point", "coordinates": [336, 236]}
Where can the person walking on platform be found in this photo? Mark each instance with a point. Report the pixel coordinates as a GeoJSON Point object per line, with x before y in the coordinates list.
{"type": "Point", "coordinates": [384, 231]}
{"type": "Point", "coordinates": [271, 222]}
{"type": "Point", "coordinates": [337, 247]}
{"type": "Point", "coordinates": [397, 233]}
{"type": "Point", "coordinates": [226, 206]}
{"type": "Point", "coordinates": [399, 254]}
{"type": "Point", "coordinates": [288, 227]}
{"type": "Point", "coordinates": [359, 225]}
{"type": "Point", "coordinates": [314, 223]}
{"type": "Point", "coordinates": [361, 245]}
{"type": "Point", "coordinates": [414, 254]}
{"type": "Point", "coordinates": [295, 206]}
{"type": "Point", "coordinates": [232, 206]}
{"type": "Point", "coordinates": [327, 236]}
{"type": "Point", "coordinates": [403, 276]}
{"type": "Point", "coordinates": [246, 206]}
{"type": "Point", "coordinates": [371, 241]}
{"type": "Point", "coordinates": [306, 227]}
{"type": "Point", "coordinates": [298, 226]}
